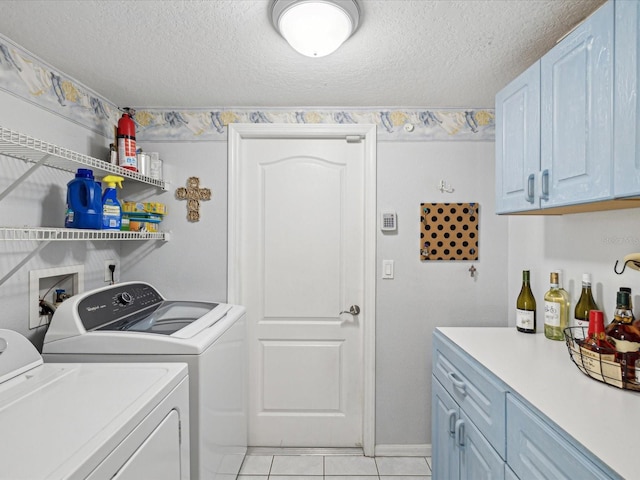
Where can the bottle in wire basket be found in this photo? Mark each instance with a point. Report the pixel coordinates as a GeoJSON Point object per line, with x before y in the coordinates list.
{"type": "Point", "coordinates": [628, 290]}
{"type": "Point", "coordinates": [556, 310]}
{"type": "Point", "coordinates": [585, 304]}
{"type": "Point", "coordinates": [526, 307]}
{"type": "Point", "coordinates": [596, 339]}
{"type": "Point", "coordinates": [624, 336]}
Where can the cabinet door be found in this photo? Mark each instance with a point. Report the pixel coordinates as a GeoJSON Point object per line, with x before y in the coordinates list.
{"type": "Point", "coordinates": [444, 415]}
{"type": "Point", "coordinates": [577, 112]}
{"type": "Point", "coordinates": [473, 388]}
{"type": "Point", "coordinates": [509, 474]}
{"type": "Point", "coordinates": [478, 460]}
{"type": "Point", "coordinates": [626, 103]}
{"type": "Point", "coordinates": [518, 143]}
{"type": "Point", "coordinates": [537, 451]}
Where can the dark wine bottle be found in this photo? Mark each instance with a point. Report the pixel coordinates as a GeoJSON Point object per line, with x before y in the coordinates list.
{"type": "Point", "coordinates": [526, 307]}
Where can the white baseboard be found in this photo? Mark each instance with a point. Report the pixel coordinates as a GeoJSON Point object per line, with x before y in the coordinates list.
{"type": "Point", "coordinates": [403, 450]}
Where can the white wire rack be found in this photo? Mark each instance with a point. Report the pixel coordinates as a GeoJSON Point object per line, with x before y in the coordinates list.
{"type": "Point", "coordinates": [48, 234]}
{"type": "Point", "coordinates": [23, 147]}
{"type": "Point", "coordinates": [29, 149]}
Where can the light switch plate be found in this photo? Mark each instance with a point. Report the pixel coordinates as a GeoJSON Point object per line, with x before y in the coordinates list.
{"type": "Point", "coordinates": [387, 269]}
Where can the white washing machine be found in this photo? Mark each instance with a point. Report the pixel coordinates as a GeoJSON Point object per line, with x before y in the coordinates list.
{"type": "Point", "coordinates": [96, 422]}
{"type": "Point", "coordinates": [132, 322]}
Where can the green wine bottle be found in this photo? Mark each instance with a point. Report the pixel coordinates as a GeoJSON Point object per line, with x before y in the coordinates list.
{"type": "Point", "coordinates": [526, 307]}
{"type": "Point", "coordinates": [585, 304]}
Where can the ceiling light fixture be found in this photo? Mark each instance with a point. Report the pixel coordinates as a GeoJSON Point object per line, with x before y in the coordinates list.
{"type": "Point", "coordinates": [315, 28]}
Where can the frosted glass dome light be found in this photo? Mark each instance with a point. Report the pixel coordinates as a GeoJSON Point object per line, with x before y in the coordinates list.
{"type": "Point", "coordinates": [315, 28]}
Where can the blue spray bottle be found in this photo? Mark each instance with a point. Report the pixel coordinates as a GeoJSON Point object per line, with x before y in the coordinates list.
{"type": "Point", "coordinates": [111, 209]}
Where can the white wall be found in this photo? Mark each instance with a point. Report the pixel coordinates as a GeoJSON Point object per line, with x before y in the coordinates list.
{"type": "Point", "coordinates": [40, 201]}
{"type": "Point", "coordinates": [577, 244]}
{"type": "Point", "coordinates": [193, 264]}
{"type": "Point", "coordinates": [425, 295]}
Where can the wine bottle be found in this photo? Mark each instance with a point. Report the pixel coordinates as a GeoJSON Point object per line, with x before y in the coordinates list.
{"type": "Point", "coordinates": [624, 336]}
{"type": "Point", "coordinates": [556, 310]}
{"type": "Point", "coordinates": [562, 291]}
{"type": "Point", "coordinates": [585, 304]}
{"type": "Point", "coordinates": [526, 307]}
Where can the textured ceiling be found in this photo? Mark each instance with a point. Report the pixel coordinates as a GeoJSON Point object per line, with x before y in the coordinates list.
{"type": "Point", "coordinates": [224, 53]}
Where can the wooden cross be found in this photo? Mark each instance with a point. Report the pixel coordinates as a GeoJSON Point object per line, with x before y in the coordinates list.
{"type": "Point", "coordinates": [193, 194]}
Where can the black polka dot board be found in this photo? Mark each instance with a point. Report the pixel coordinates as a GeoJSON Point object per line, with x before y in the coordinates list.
{"type": "Point", "coordinates": [449, 231]}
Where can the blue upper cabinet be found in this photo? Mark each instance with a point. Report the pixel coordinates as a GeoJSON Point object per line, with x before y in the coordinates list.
{"type": "Point", "coordinates": [576, 150]}
{"type": "Point", "coordinates": [626, 121]}
{"type": "Point", "coordinates": [518, 143]}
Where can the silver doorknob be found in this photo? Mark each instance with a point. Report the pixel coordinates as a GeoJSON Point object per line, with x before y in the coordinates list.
{"type": "Point", "coordinates": [353, 310]}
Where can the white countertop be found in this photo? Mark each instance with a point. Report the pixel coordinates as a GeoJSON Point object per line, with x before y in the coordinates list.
{"type": "Point", "coordinates": [604, 419]}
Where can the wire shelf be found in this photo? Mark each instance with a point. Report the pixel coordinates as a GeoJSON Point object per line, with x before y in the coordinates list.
{"type": "Point", "coordinates": [605, 368]}
{"type": "Point", "coordinates": [47, 234]}
{"type": "Point", "coordinates": [23, 147]}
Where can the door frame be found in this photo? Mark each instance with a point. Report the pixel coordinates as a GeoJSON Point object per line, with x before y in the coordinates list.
{"type": "Point", "coordinates": [237, 132]}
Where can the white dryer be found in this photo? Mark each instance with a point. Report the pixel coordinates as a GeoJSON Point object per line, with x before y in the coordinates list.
{"type": "Point", "coordinates": [132, 322]}
{"type": "Point", "coordinates": [95, 422]}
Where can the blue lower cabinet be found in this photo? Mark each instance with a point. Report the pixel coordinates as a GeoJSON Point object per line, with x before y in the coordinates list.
{"type": "Point", "coordinates": [460, 451]}
{"type": "Point", "coordinates": [478, 460]}
{"type": "Point", "coordinates": [445, 414]}
{"type": "Point", "coordinates": [466, 449]}
{"type": "Point", "coordinates": [535, 450]}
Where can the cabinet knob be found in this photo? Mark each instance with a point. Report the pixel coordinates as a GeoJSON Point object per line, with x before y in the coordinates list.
{"type": "Point", "coordinates": [457, 382]}
{"type": "Point", "coordinates": [460, 433]}
{"type": "Point", "coordinates": [544, 195]}
{"type": "Point", "coordinates": [451, 414]}
{"type": "Point", "coordinates": [530, 197]}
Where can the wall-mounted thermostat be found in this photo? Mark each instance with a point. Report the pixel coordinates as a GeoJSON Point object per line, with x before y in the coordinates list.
{"type": "Point", "coordinates": [388, 221]}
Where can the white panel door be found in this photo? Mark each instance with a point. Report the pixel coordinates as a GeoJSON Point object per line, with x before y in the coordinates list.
{"type": "Point", "coordinates": [300, 250]}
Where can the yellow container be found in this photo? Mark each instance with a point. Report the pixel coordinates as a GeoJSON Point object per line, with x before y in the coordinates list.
{"type": "Point", "coordinates": [144, 207]}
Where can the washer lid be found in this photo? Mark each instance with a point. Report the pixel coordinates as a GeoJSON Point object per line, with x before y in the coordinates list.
{"type": "Point", "coordinates": [61, 420]}
{"type": "Point", "coordinates": [166, 318]}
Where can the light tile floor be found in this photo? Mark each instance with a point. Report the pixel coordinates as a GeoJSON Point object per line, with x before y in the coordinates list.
{"type": "Point", "coordinates": [334, 467]}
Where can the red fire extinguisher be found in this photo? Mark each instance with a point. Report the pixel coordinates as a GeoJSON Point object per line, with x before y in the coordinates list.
{"type": "Point", "coordinates": [127, 141]}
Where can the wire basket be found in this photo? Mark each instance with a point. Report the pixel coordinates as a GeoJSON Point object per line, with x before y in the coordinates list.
{"type": "Point", "coordinates": [606, 368]}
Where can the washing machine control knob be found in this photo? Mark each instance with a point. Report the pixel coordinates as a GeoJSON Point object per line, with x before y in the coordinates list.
{"type": "Point", "coordinates": [124, 298]}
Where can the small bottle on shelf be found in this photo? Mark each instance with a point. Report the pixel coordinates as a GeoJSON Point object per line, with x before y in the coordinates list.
{"type": "Point", "coordinates": [526, 307]}
{"type": "Point", "coordinates": [624, 336]}
{"type": "Point", "coordinates": [585, 304]}
{"type": "Point", "coordinates": [556, 310]}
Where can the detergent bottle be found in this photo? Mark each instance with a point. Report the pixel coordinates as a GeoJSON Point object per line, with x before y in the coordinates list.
{"type": "Point", "coordinates": [84, 207]}
{"type": "Point", "coordinates": [111, 209]}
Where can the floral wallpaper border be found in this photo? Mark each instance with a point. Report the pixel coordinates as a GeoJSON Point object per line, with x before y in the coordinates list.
{"type": "Point", "coordinates": [26, 76]}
